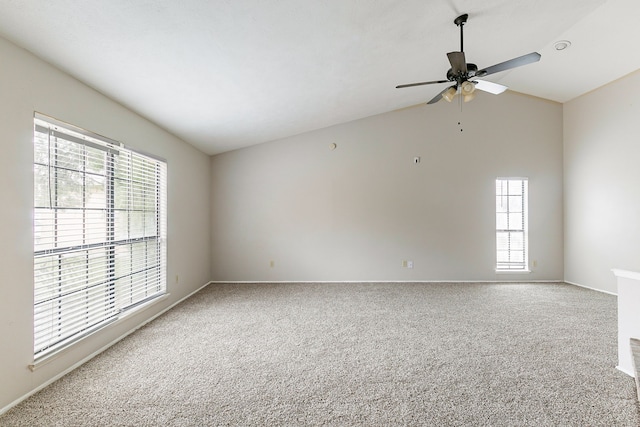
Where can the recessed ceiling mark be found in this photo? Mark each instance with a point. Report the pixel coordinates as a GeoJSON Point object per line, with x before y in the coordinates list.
{"type": "Point", "coordinates": [562, 44]}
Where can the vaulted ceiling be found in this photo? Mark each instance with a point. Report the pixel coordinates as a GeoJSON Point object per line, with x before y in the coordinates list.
{"type": "Point", "coordinates": [226, 74]}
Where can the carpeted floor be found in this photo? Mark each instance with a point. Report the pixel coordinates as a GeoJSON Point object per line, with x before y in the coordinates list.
{"type": "Point", "coordinates": [356, 354]}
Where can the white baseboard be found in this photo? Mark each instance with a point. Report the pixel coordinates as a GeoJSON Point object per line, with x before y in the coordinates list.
{"type": "Point", "coordinates": [97, 352]}
{"type": "Point", "coordinates": [621, 369]}
{"type": "Point", "coordinates": [383, 281]}
{"type": "Point", "coordinates": [592, 289]}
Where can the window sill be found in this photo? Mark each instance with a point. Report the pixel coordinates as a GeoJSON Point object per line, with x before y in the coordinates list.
{"type": "Point", "coordinates": [44, 360]}
{"type": "Point", "coordinates": [513, 271]}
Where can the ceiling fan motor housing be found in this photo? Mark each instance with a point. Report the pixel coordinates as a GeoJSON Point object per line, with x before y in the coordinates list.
{"type": "Point", "coordinates": [471, 72]}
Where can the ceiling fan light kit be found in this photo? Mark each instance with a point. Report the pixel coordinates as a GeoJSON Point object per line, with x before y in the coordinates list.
{"type": "Point", "coordinates": [469, 97]}
{"type": "Point", "coordinates": [464, 75]}
{"type": "Point", "coordinates": [449, 93]}
{"type": "Point", "coordinates": [467, 88]}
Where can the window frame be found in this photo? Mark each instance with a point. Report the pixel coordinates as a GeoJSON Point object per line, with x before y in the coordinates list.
{"type": "Point", "coordinates": [76, 299]}
{"type": "Point", "coordinates": [516, 220]}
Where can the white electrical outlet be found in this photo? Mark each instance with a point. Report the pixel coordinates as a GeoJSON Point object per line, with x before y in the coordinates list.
{"type": "Point", "coordinates": [407, 264]}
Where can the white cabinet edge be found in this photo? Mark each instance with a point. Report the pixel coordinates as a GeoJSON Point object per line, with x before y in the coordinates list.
{"type": "Point", "coordinates": [626, 274]}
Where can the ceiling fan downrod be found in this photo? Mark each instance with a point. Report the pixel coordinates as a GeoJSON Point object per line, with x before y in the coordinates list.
{"type": "Point", "coordinates": [460, 21]}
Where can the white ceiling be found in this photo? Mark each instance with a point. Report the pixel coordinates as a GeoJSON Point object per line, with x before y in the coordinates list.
{"type": "Point", "coordinates": [225, 74]}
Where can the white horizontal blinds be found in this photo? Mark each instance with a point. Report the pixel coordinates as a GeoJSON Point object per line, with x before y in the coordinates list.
{"type": "Point", "coordinates": [139, 231]}
{"type": "Point", "coordinates": [511, 224]}
{"type": "Point", "coordinates": [99, 232]}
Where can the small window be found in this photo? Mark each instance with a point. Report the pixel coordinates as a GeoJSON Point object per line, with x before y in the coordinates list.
{"type": "Point", "coordinates": [99, 232]}
{"type": "Point", "coordinates": [511, 224]}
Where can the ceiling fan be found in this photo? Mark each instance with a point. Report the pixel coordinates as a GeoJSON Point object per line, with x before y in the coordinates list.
{"type": "Point", "coordinates": [464, 74]}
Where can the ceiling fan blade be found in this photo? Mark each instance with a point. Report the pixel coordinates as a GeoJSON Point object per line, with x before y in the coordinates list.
{"type": "Point", "coordinates": [438, 97]}
{"type": "Point", "coordinates": [490, 87]}
{"type": "Point", "coordinates": [512, 63]}
{"type": "Point", "coordinates": [421, 83]}
{"type": "Point", "coordinates": [458, 63]}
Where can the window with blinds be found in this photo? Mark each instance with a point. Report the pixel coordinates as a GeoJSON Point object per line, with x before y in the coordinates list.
{"type": "Point", "coordinates": [99, 232]}
{"type": "Point", "coordinates": [511, 224]}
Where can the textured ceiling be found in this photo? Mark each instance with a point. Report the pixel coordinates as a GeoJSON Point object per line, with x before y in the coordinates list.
{"type": "Point", "coordinates": [227, 74]}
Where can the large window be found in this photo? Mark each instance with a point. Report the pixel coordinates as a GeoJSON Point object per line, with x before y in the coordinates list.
{"type": "Point", "coordinates": [511, 224]}
{"type": "Point", "coordinates": [99, 232]}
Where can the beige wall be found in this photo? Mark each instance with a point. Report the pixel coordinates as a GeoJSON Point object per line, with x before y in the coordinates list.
{"type": "Point", "coordinates": [602, 184]}
{"type": "Point", "coordinates": [27, 85]}
{"type": "Point", "coordinates": [355, 213]}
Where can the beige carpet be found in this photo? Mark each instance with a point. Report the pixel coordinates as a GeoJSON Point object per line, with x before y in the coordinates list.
{"type": "Point", "coordinates": [357, 354]}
